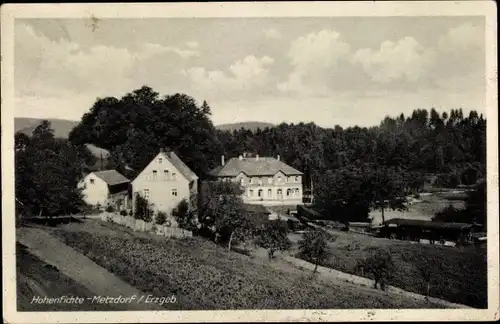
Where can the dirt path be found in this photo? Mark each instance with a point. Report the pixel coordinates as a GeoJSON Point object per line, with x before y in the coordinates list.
{"type": "Point", "coordinates": [78, 267]}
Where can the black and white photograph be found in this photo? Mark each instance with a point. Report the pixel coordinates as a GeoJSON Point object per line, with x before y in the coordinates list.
{"type": "Point", "coordinates": [250, 162]}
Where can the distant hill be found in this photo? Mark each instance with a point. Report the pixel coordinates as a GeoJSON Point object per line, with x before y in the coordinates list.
{"type": "Point", "coordinates": [253, 126]}
{"type": "Point", "coordinates": [61, 127]}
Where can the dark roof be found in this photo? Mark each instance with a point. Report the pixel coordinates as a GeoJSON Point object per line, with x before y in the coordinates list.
{"type": "Point", "coordinates": [252, 208]}
{"type": "Point", "coordinates": [254, 166]}
{"type": "Point", "coordinates": [111, 177]}
{"type": "Point", "coordinates": [428, 224]}
{"type": "Point", "coordinates": [181, 166]}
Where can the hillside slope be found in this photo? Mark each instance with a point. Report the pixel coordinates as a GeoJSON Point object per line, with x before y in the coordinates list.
{"type": "Point", "coordinates": [221, 279]}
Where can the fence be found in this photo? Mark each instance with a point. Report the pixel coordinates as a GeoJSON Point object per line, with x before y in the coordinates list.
{"type": "Point", "coordinates": [142, 226]}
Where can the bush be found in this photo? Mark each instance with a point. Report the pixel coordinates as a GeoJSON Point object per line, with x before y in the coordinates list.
{"type": "Point", "coordinates": [161, 218]}
{"type": "Point", "coordinates": [143, 210]}
{"type": "Point", "coordinates": [186, 219]}
{"type": "Point", "coordinates": [273, 237]}
{"type": "Point", "coordinates": [314, 247]}
{"type": "Point", "coordinates": [123, 213]}
{"type": "Point", "coordinates": [452, 214]}
{"type": "Point", "coordinates": [379, 265]}
{"type": "Point", "coordinates": [110, 209]}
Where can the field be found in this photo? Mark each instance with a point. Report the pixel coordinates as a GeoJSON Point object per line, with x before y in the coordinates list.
{"type": "Point", "coordinates": [424, 208]}
{"type": "Point", "coordinates": [203, 275]}
{"type": "Point", "coordinates": [457, 275]}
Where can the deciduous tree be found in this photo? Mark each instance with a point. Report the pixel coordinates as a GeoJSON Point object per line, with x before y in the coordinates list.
{"type": "Point", "coordinates": [314, 247]}
{"type": "Point", "coordinates": [273, 237]}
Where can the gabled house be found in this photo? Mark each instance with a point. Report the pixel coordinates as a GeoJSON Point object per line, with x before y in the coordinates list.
{"type": "Point", "coordinates": [165, 182]}
{"type": "Point", "coordinates": [105, 188]}
{"type": "Point", "coordinates": [267, 181]}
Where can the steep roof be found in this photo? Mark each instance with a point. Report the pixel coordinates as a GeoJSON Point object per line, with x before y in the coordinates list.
{"type": "Point", "coordinates": [181, 166]}
{"type": "Point", "coordinates": [254, 166]}
{"type": "Point", "coordinates": [111, 177]}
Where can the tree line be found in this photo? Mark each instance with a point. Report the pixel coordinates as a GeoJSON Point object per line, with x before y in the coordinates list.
{"type": "Point", "coordinates": [353, 169]}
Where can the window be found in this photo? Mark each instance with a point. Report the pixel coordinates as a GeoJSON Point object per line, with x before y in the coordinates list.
{"type": "Point", "coordinates": [297, 192]}
{"type": "Point", "coordinates": [242, 181]}
{"type": "Point", "coordinates": [280, 193]}
{"type": "Point", "coordinates": [288, 192]}
{"type": "Point", "coordinates": [92, 181]}
{"type": "Point", "coordinates": [173, 175]}
{"type": "Point", "coordinates": [251, 180]}
{"type": "Point", "coordinates": [269, 192]}
{"type": "Point", "coordinates": [165, 174]}
{"type": "Point", "coordinates": [146, 193]}
{"type": "Point", "coordinates": [270, 180]}
{"type": "Point", "coordinates": [279, 178]}
{"type": "Point", "coordinates": [250, 193]}
{"type": "Point", "coordinates": [160, 160]}
{"type": "Point", "coordinates": [174, 192]}
{"type": "Point", "coordinates": [260, 181]}
{"type": "Point", "coordinates": [155, 175]}
{"type": "Point", "coordinates": [259, 193]}
{"type": "Point", "coordinates": [296, 179]}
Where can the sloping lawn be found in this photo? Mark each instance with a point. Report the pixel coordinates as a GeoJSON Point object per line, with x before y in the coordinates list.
{"type": "Point", "coordinates": [203, 275]}
{"type": "Point", "coordinates": [457, 275]}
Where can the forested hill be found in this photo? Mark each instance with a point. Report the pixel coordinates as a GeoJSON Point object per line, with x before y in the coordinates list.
{"type": "Point", "coordinates": [250, 125]}
{"type": "Point", "coordinates": [355, 167]}
{"type": "Point", "coordinates": [61, 127]}
{"type": "Point", "coordinates": [425, 142]}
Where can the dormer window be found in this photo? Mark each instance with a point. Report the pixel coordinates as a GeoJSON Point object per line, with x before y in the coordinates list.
{"type": "Point", "coordinates": [91, 181]}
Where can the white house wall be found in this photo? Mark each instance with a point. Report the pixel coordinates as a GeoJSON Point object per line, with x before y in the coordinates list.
{"type": "Point", "coordinates": [94, 193]}
{"type": "Point", "coordinates": [270, 186]}
{"type": "Point", "coordinates": [161, 188]}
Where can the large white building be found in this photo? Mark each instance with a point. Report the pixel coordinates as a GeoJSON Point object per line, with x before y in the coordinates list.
{"type": "Point", "coordinates": [266, 180]}
{"type": "Point", "coordinates": [165, 182]}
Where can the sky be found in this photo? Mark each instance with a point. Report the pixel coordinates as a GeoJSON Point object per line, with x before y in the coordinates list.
{"type": "Point", "coordinates": [332, 71]}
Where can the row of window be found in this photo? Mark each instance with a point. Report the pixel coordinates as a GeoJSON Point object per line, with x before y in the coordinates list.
{"type": "Point", "coordinates": [146, 193]}
{"type": "Point", "coordinates": [260, 180]}
{"type": "Point", "coordinates": [166, 175]}
{"type": "Point", "coordinates": [292, 192]}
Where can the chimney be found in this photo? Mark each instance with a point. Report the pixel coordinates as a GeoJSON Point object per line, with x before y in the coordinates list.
{"type": "Point", "coordinates": [257, 157]}
{"type": "Point", "coordinates": [278, 157]}
{"type": "Point", "coordinates": [162, 150]}
{"type": "Point", "coordinates": [222, 160]}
